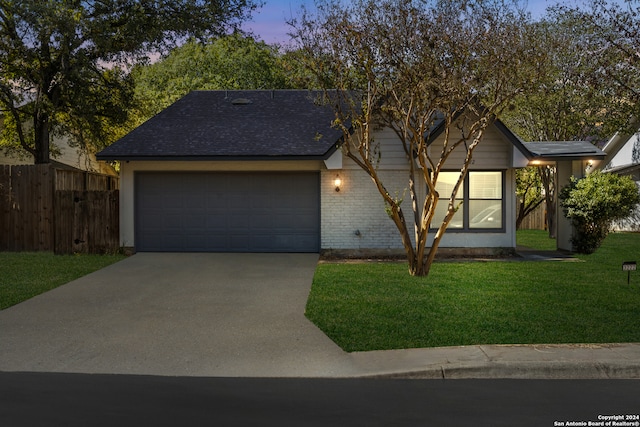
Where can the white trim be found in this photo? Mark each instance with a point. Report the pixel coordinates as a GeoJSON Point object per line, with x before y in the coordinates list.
{"type": "Point", "coordinates": [335, 161]}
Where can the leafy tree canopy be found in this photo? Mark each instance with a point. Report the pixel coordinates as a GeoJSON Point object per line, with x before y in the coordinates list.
{"type": "Point", "coordinates": [229, 62]}
{"type": "Point", "coordinates": [63, 62]}
{"type": "Point", "coordinates": [610, 36]}
{"type": "Point", "coordinates": [569, 103]}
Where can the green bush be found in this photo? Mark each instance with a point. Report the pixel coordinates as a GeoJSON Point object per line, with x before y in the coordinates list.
{"type": "Point", "coordinates": [593, 203]}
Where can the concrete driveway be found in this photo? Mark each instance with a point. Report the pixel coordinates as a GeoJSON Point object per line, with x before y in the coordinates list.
{"type": "Point", "coordinates": [176, 314]}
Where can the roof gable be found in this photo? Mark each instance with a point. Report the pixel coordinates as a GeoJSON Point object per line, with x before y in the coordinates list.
{"type": "Point", "coordinates": [439, 128]}
{"type": "Point", "coordinates": [256, 124]}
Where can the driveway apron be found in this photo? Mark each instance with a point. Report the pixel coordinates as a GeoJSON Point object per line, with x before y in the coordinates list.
{"type": "Point", "coordinates": [197, 314]}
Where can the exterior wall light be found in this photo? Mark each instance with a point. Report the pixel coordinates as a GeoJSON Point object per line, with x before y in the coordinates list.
{"type": "Point", "coordinates": [589, 165]}
{"type": "Point", "coordinates": [337, 182]}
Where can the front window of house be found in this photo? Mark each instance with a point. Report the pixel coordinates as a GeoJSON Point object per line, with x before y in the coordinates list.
{"type": "Point", "coordinates": [479, 200]}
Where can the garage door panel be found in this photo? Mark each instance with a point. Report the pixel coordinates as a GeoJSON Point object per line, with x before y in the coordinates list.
{"type": "Point", "coordinates": [237, 220]}
{"type": "Point", "coordinates": [198, 223]}
{"type": "Point", "coordinates": [173, 221]}
{"type": "Point", "coordinates": [239, 243]}
{"type": "Point", "coordinates": [239, 212]}
{"type": "Point", "coordinates": [194, 202]}
{"type": "Point", "coordinates": [216, 220]}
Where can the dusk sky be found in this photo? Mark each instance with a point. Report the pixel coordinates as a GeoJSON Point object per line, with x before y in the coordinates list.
{"type": "Point", "coordinates": [269, 22]}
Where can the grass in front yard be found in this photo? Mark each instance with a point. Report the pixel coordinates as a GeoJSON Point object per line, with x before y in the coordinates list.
{"type": "Point", "coordinates": [26, 274]}
{"type": "Point", "coordinates": [536, 239]}
{"type": "Point", "coordinates": [373, 306]}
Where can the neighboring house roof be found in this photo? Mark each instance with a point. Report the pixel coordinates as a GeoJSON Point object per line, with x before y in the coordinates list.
{"type": "Point", "coordinates": [622, 153]}
{"type": "Point", "coordinates": [563, 150]}
{"type": "Point", "coordinates": [79, 161]}
{"type": "Point", "coordinates": [618, 142]}
{"type": "Point", "coordinates": [255, 124]}
{"type": "Point", "coordinates": [625, 169]}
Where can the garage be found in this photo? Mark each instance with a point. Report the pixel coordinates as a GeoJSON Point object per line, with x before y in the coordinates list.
{"type": "Point", "coordinates": [227, 171]}
{"type": "Point", "coordinates": [227, 212]}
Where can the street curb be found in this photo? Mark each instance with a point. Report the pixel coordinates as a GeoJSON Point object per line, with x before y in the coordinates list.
{"type": "Point", "coordinates": [521, 370]}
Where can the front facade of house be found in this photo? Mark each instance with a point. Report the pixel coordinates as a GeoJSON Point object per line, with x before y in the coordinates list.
{"type": "Point", "coordinates": [293, 205]}
{"type": "Point", "coordinates": [261, 171]}
{"type": "Point", "coordinates": [355, 217]}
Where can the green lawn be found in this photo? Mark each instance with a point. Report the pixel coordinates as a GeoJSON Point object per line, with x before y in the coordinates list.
{"type": "Point", "coordinates": [372, 306]}
{"type": "Point", "coordinates": [26, 274]}
{"type": "Point", "coordinates": [536, 239]}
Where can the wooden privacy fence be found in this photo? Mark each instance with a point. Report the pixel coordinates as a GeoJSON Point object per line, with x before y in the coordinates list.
{"type": "Point", "coordinates": [536, 220]}
{"type": "Point", "coordinates": [65, 211]}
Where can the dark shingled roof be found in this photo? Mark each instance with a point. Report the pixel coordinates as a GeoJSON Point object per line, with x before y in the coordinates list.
{"type": "Point", "coordinates": [564, 150]}
{"type": "Point", "coordinates": [256, 124]}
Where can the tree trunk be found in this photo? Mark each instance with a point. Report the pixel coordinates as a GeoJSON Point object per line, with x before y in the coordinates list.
{"type": "Point", "coordinates": [520, 216]}
{"type": "Point", "coordinates": [418, 267]}
{"type": "Point", "coordinates": [523, 211]}
{"type": "Point", "coordinates": [547, 175]}
{"type": "Point", "coordinates": [41, 149]}
{"type": "Point", "coordinates": [551, 219]}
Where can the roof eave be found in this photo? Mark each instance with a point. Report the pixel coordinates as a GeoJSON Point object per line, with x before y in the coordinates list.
{"type": "Point", "coordinates": [203, 158]}
{"type": "Point", "coordinates": [513, 139]}
{"type": "Point", "coordinates": [624, 168]}
{"type": "Point", "coordinates": [568, 157]}
{"type": "Point", "coordinates": [212, 158]}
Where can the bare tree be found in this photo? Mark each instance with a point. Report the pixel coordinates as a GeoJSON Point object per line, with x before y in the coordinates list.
{"type": "Point", "coordinates": [421, 68]}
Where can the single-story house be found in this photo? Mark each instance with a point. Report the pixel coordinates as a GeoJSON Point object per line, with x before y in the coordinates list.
{"type": "Point", "coordinates": [262, 171]}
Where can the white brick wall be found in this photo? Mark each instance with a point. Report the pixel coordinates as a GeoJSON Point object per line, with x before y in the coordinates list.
{"type": "Point", "coordinates": [358, 207]}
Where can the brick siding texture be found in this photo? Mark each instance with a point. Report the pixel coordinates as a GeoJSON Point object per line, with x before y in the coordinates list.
{"type": "Point", "coordinates": [355, 217]}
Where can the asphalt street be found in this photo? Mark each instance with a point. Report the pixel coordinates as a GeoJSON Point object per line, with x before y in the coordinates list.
{"type": "Point", "coordinates": [59, 399]}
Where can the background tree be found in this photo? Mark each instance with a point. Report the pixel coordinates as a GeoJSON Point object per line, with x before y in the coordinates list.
{"type": "Point", "coordinates": [418, 64]}
{"type": "Point", "coordinates": [613, 44]}
{"type": "Point", "coordinates": [62, 63]}
{"type": "Point", "coordinates": [229, 62]}
{"type": "Point", "coordinates": [593, 203]}
{"type": "Point", "coordinates": [529, 192]}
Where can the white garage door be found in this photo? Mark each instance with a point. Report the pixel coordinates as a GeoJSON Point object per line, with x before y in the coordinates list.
{"type": "Point", "coordinates": [227, 212]}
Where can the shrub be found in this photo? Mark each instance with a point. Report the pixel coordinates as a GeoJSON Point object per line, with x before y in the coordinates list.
{"type": "Point", "coordinates": [593, 203]}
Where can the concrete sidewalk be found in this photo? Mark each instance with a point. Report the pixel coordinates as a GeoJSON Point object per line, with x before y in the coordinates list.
{"type": "Point", "coordinates": [242, 315]}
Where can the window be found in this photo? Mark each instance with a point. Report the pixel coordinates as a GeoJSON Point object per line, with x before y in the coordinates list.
{"type": "Point", "coordinates": [479, 200]}
{"type": "Point", "coordinates": [444, 187]}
